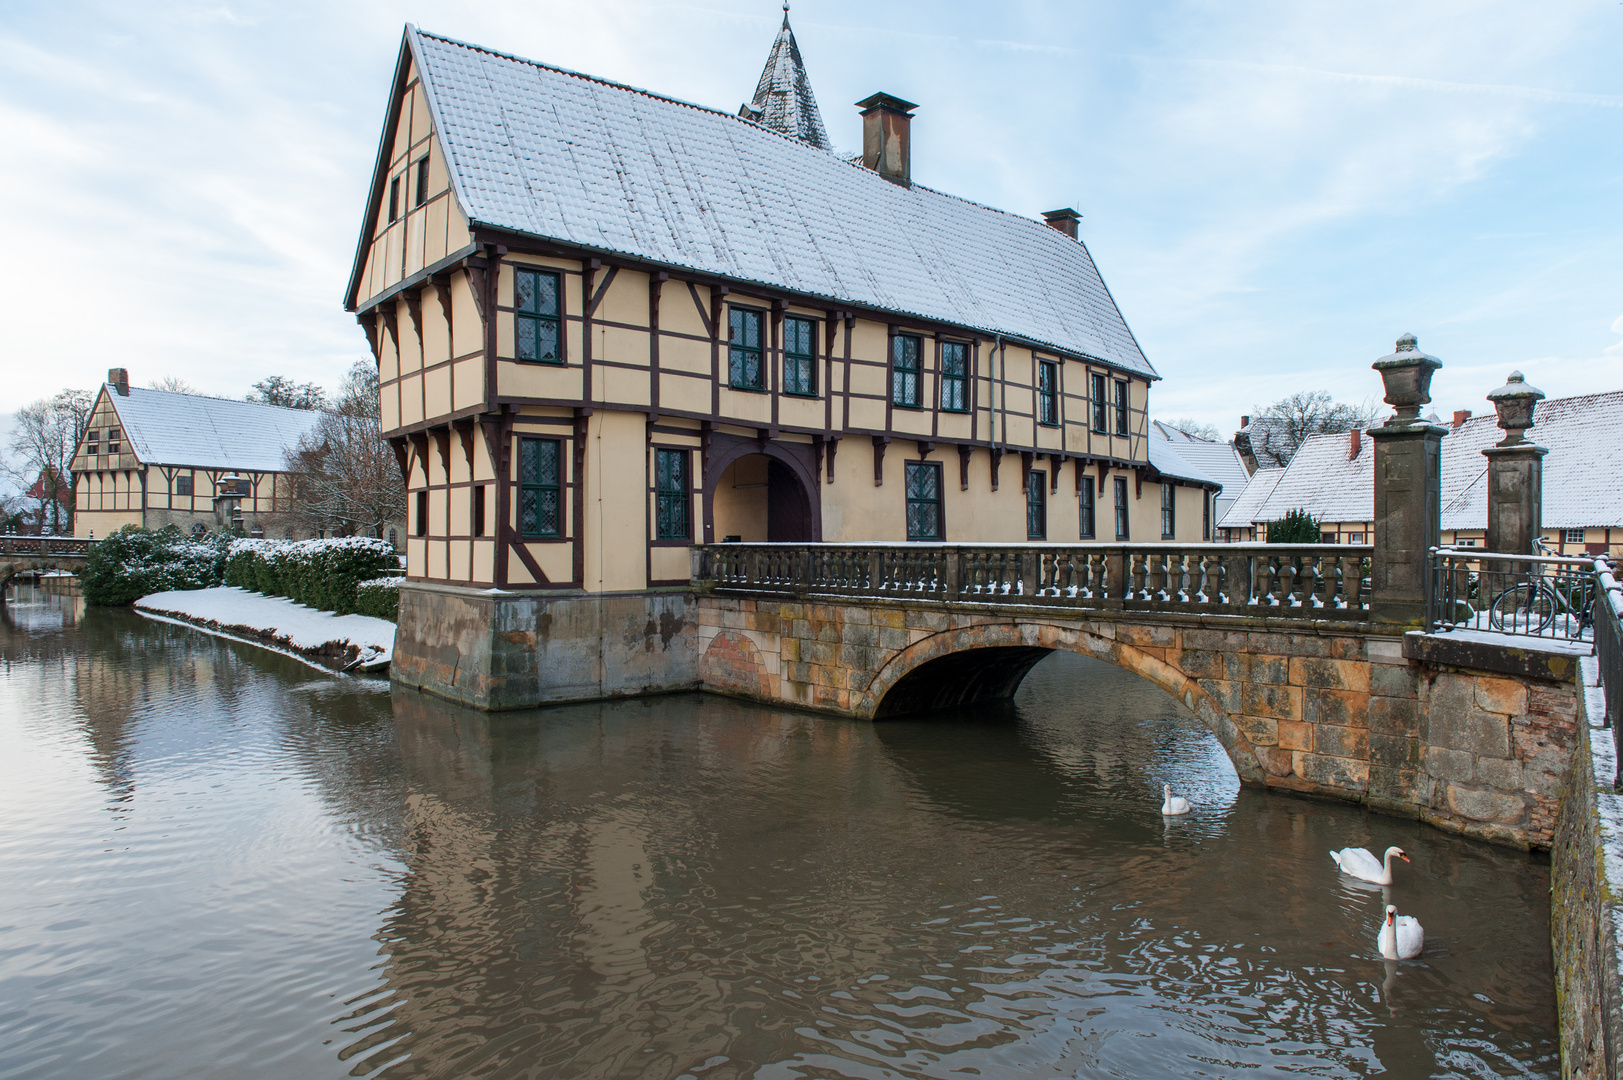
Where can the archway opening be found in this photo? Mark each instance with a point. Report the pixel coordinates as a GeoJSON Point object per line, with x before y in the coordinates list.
{"type": "Point", "coordinates": [759, 498]}
{"type": "Point", "coordinates": [973, 677]}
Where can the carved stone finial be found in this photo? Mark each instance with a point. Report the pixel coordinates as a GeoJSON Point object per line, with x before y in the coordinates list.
{"type": "Point", "coordinates": [1515, 402]}
{"type": "Point", "coordinates": [1406, 375]}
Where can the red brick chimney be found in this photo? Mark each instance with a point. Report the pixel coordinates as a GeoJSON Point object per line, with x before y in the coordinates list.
{"type": "Point", "coordinates": [119, 379]}
{"type": "Point", "coordinates": [1461, 416]}
{"type": "Point", "coordinates": [1064, 220]}
{"type": "Point", "coordinates": [1355, 443]}
{"type": "Point", "coordinates": [887, 144]}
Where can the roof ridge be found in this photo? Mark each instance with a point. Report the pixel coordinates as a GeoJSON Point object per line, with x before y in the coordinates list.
{"type": "Point", "coordinates": [216, 397]}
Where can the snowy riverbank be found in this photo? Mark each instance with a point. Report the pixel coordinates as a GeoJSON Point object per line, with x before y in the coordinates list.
{"type": "Point", "coordinates": [332, 640]}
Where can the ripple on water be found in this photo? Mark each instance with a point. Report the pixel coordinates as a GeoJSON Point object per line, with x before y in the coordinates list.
{"type": "Point", "coordinates": [216, 863]}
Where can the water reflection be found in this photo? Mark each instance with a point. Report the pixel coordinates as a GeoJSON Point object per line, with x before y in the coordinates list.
{"type": "Point", "coordinates": [331, 879]}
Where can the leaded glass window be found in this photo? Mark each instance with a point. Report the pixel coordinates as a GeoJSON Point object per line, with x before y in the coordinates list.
{"type": "Point", "coordinates": [744, 371]}
{"type": "Point", "coordinates": [536, 310]}
{"type": "Point", "coordinates": [1121, 508]}
{"type": "Point", "coordinates": [671, 497]}
{"type": "Point", "coordinates": [1036, 505]}
{"type": "Point", "coordinates": [1099, 404]}
{"type": "Point", "coordinates": [954, 376]}
{"type": "Point", "coordinates": [799, 356]}
{"type": "Point", "coordinates": [539, 508]}
{"type": "Point", "coordinates": [923, 500]}
{"type": "Point", "coordinates": [1121, 406]}
{"type": "Point", "coordinates": [1047, 392]}
{"type": "Point", "coordinates": [904, 363]}
{"type": "Point", "coordinates": [1085, 496]}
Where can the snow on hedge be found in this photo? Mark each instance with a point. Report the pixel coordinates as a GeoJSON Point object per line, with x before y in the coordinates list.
{"type": "Point", "coordinates": [342, 638]}
{"type": "Point", "coordinates": [324, 574]}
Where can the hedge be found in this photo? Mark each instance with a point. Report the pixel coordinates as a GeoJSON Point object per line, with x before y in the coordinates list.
{"type": "Point", "coordinates": [380, 598]}
{"type": "Point", "coordinates": [133, 562]}
{"type": "Point", "coordinates": [322, 574]}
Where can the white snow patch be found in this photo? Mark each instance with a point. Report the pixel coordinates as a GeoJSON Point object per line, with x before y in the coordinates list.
{"type": "Point", "coordinates": [301, 628]}
{"type": "Point", "coordinates": [1513, 641]}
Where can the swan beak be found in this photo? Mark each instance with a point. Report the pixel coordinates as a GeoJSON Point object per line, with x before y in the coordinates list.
{"type": "Point", "coordinates": [1402, 856]}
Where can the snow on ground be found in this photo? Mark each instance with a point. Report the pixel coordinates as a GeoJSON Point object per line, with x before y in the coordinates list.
{"type": "Point", "coordinates": [280, 621]}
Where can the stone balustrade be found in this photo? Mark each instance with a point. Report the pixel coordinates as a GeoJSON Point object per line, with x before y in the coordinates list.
{"type": "Point", "coordinates": [1308, 581]}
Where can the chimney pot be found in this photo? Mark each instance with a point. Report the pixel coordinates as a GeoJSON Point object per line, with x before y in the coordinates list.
{"type": "Point", "coordinates": [1461, 416]}
{"type": "Point", "coordinates": [119, 379]}
{"type": "Point", "coordinates": [887, 138]}
{"type": "Point", "coordinates": [1064, 220]}
{"type": "Point", "coordinates": [1355, 443]}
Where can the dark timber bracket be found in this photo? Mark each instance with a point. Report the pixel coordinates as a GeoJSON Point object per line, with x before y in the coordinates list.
{"type": "Point", "coordinates": [879, 444]}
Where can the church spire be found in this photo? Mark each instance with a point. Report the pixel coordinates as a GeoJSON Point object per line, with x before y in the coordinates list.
{"type": "Point", "coordinates": [783, 98]}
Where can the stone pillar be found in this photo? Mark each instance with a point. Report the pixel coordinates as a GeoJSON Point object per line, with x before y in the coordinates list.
{"type": "Point", "coordinates": [1515, 471]}
{"type": "Point", "coordinates": [1408, 488]}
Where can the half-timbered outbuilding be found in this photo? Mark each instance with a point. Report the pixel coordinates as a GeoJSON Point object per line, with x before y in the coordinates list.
{"type": "Point", "coordinates": [154, 458]}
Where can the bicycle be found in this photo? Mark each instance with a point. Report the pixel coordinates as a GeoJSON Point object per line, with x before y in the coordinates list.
{"type": "Point", "coordinates": [1529, 607]}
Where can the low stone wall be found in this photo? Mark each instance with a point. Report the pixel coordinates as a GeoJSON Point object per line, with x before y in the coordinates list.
{"type": "Point", "coordinates": [1586, 883]}
{"type": "Point", "coordinates": [511, 650]}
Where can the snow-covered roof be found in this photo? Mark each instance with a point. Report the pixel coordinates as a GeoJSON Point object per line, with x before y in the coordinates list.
{"type": "Point", "coordinates": [1169, 460]}
{"type": "Point", "coordinates": [1584, 436]}
{"type": "Point", "coordinates": [164, 428]}
{"type": "Point", "coordinates": [1218, 460]}
{"type": "Point", "coordinates": [563, 156]}
{"type": "Point", "coordinates": [1256, 491]}
{"type": "Point", "coordinates": [783, 98]}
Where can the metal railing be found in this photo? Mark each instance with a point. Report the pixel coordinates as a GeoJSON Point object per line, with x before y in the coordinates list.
{"type": "Point", "coordinates": [1608, 619]}
{"type": "Point", "coordinates": [1304, 581]}
{"type": "Point", "coordinates": [11, 544]}
{"type": "Point", "coordinates": [1541, 596]}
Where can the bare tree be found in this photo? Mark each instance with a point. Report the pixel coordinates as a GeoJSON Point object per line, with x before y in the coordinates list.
{"type": "Point", "coordinates": [174, 385]}
{"type": "Point", "coordinates": [1280, 429]}
{"type": "Point", "coordinates": [43, 441]}
{"type": "Point", "coordinates": [346, 478]}
{"type": "Point", "coordinates": [1195, 428]}
{"type": "Point", "coordinates": [277, 390]}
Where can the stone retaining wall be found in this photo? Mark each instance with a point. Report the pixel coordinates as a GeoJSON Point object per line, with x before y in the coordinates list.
{"type": "Point", "coordinates": [1586, 882]}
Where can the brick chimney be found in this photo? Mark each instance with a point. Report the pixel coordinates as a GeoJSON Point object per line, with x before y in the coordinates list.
{"type": "Point", "coordinates": [1245, 421]}
{"type": "Point", "coordinates": [119, 379]}
{"type": "Point", "coordinates": [1355, 443]}
{"type": "Point", "coordinates": [887, 145]}
{"type": "Point", "coordinates": [1064, 220]}
{"type": "Point", "coordinates": [1461, 416]}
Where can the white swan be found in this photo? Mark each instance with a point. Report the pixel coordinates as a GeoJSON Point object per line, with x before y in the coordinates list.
{"type": "Point", "coordinates": [1361, 864]}
{"type": "Point", "coordinates": [1401, 937]}
{"type": "Point", "coordinates": [1174, 804]}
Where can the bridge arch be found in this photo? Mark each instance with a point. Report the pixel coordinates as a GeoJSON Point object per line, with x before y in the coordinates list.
{"type": "Point", "coordinates": [988, 662]}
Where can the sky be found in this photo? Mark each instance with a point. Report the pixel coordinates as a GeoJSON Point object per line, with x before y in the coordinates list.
{"type": "Point", "coordinates": [1273, 191]}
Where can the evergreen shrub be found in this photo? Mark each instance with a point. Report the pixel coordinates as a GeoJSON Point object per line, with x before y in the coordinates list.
{"type": "Point", "coordinates": [323, 574]}
{"type": "Point", "coordinates": [1296, 527]}
{"type": "Point", "coordinates": [380, 598]}
{"type": "Point", "coordinates": [133, 562]}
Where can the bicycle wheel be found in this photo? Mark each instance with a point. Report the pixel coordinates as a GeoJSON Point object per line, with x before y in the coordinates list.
{"type": "Point", "coordinates": [1522, 609]}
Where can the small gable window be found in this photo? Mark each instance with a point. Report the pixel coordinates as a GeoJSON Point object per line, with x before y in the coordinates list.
{"type": "Point", "coordinates": [535, 313]}
{"type": "Point", "coordinates": [394, 198]}
{"type": "Point", "coordinates": [799, 357]}
{"type": "Point", "coordinates": [954, 376]}
{"type": "Point", "coordinates": [904, 362]}
{"type": "Point", "coordinates": [744, 349]}
{"type": "Point", "coordinates": [92, 441]}
{"type": "Point", "coordinates": [113, 441]}
{"type": "Point", "coordinates": [183, 485]}
{"type": "Point", "coordinates": [422, 183]}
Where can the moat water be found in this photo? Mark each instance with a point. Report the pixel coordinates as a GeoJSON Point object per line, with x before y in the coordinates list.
{"type": "Point", "coordinates": [217, 861]}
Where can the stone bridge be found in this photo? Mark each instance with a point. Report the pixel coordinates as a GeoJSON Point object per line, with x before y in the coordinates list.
{"type": "Point", "coordinates": [1273, 648]}
{"type": "Point", "coordinates": [31, 554]}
